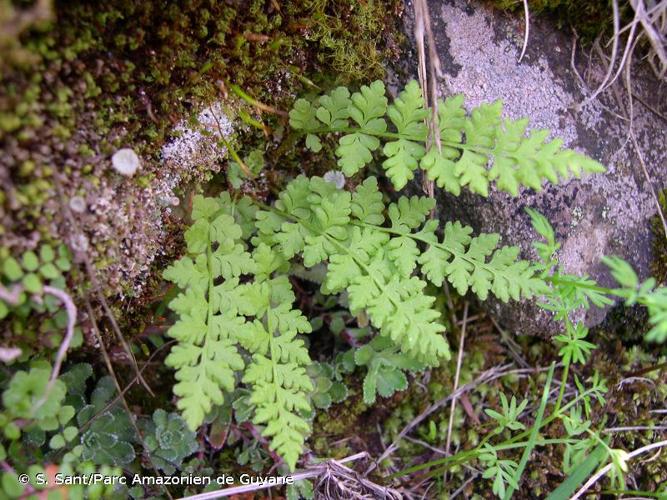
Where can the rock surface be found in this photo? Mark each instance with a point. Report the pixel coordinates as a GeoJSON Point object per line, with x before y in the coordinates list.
{"type": "Point", "coordinates": [605, 214]}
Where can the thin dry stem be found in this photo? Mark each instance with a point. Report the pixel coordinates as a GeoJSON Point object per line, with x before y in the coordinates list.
{"type": "Point", "coordinates": [596, 477]}
{"type": "Point", "coordinates": [459, 360]}
{"type": "Point", "coordinates": [312, 472]}
{"type": "Point", "coordinates": [70, 308]}
{"type": "Point", "coordinates": [121, 392]}
{"type": "Point", "coordinates": [526, 30]}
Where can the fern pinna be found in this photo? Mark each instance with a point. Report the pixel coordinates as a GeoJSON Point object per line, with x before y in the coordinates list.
{"type": "Point", "coordinates": [475, 149]}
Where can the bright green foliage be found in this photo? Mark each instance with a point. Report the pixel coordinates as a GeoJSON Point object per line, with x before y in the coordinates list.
{"type": "Point", "coordinates": [509, 415]}
{"type": "Point", "coordinates": [568, 293]}
{"type": "Point", "coordinates": [386, 367]}
{"type": "Point", "coordinates": [646, 294]}
{"type": "Point", "coordinates": [26, 397]}
{"type": "Point", "coordinates": [277, 377]}
{"type": "Point", "coordinates": [408, 115]}
{"type": "Point", "coordinates": [502, 471]}
{"type": "Point", "coordinates": [367, 109]}
{"type": "Point", "coordinates": [575, 349]}
{"type": "Point", "coordinates": [219, 316]}
{"type": "Point", "coordinates": [168, 441]}
{"type": "Point", "coordinates": [206, 356]}
{"type": "Point", "coordinates": [375, 263]}
{"type": "Point", "coordinates": [476, 149]}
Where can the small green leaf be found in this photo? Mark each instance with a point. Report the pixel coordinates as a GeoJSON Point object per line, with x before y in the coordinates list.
{"type": "Point", "coordinates": [69, 433]}
{"type": "Point", "coordinates": [46, 253]}
{"type": "Point", "coordinates": [12, 269]}
{"type": "Point", "coordinates": [49, 271]}
{"type": "Point", "coordinates": [30, 261]}
{"type": "Point", "coordinates": [57, 442]}
{"type": "Point", "coordinates": [32, 283]}
{"type": "Point", "coordinates": [11, 484]}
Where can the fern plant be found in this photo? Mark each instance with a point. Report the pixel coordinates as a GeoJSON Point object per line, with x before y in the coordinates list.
{"type": "Point", "coordinates": [235, 308]}
{"type": "Point", "coordinates": [238, 332]}
{"type": "Point", "coordinates": [476, 148]}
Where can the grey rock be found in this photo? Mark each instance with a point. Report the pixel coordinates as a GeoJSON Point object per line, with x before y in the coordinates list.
{"type": "Point", "coordinates": [604, 214]}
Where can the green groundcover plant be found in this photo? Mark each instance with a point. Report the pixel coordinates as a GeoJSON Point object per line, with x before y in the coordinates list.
{"type": "Point", "coordinates": [241, 341]}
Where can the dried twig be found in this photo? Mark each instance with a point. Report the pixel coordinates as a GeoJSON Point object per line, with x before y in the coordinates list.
{"type": "Point", "coordinates": [614, 53]}
{"type": "Point", "coordinates": [459, 360]}
{"type": "Point", "coordinates": [428, 75]}
{"type": "Point", "coordinates": [11, 295]}
{"type": "Point", "coordinates": [70, 308]}
{"type": "Point", "coordinates": [327, 471]}
{"type": "Point", "coordinates": [526, 30]}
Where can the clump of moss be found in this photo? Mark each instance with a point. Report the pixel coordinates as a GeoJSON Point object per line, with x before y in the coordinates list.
{"type": "Point", "coordinates": [102, 77]}
{"type": "Point", "coordinates": [590, 18]}
{"type": "Point", "coordinates": [659, 264]}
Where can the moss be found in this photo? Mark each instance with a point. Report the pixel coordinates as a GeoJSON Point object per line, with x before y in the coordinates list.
{"type": "Point", "coordinates": [590, 17]}
{"type": "Point", "coordinates": [339, 421]}
{"type": "Point", "coordinates": [123, 73]}
{"type": "Point", "coordinates": [659, 263]}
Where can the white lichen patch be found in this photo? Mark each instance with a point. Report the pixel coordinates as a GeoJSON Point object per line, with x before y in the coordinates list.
{"type": "Point", "coordinates": [77, 204]}
{"type": "Point", "coordinates": [200, 146]}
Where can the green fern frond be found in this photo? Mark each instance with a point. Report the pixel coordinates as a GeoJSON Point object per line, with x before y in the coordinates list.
{"type": "Point", "coordinates": [219, 316]}
{"type": "Point", "coordinates": [375, 263]}
{"type": "Point", "coordinates": [476, 149]}
{"type": "Point", "coordinates": [206, 356]}
{"type": "Point", "coordinates": [277, 374]}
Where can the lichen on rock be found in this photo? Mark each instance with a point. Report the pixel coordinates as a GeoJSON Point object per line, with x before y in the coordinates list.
{"type": "Point", "coordinates": [200, 145]}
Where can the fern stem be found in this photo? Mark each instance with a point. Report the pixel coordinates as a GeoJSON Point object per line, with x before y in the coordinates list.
{"type": "Point", "coordinates": [211, 312]}
{"type": "Point", "coordinates": [559, 280]}
{"type": "Point", "coordinates": [272, 349]}
{"type": "Point", "coordinates": [396, 136]}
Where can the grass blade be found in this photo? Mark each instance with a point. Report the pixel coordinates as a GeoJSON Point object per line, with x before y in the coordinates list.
{"type": "Point", "coordinates": [532, 439]}
{"type": "Point", "coordinates": [572, 482]}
